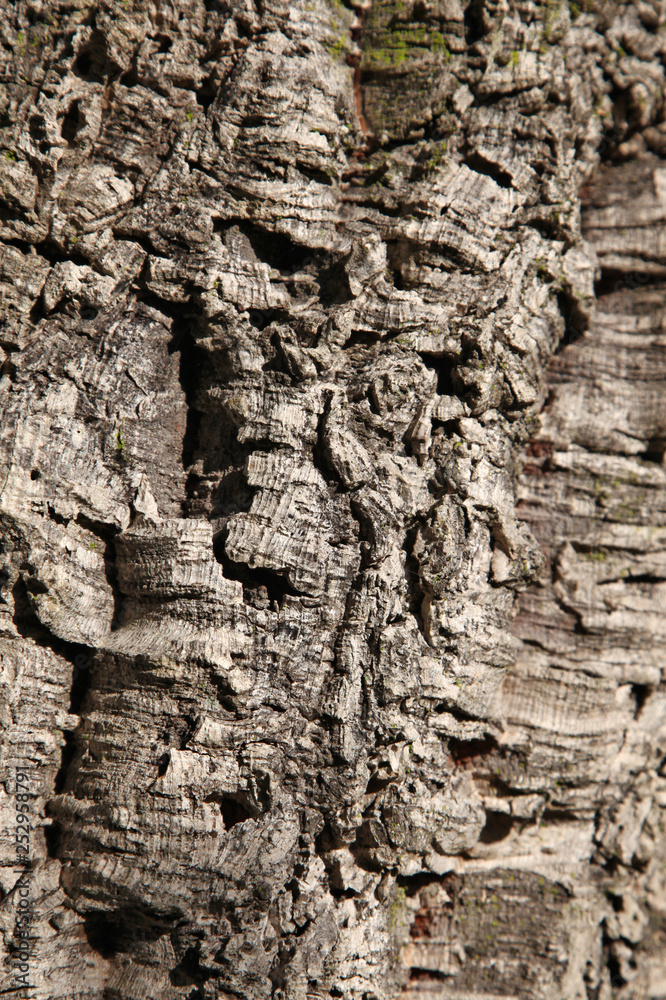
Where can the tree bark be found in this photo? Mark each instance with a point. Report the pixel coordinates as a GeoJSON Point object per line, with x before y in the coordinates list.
{"type": "Point", "coordinates": [332, 500]}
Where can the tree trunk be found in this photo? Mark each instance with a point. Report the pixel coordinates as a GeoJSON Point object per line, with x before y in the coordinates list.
{"type": "Point", "coordinates": [332, 500]}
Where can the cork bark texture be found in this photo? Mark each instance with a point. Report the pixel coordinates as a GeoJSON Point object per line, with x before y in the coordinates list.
{"type": "Point", "coordinates": [332, 498]}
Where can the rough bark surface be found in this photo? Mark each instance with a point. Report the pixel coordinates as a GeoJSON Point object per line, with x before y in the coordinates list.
{"type": "Point", "coordinates": [332, 497]}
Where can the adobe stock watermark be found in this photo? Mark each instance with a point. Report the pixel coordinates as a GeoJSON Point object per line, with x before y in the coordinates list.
{"type": "Point", "coordinates": [22, 987]}
{"type": "Point", "coordinates": [82, 663]}
{"type": "Point", "coordinates": [262, 317]}
{"type": "Point", "coordinates": [616, 281]}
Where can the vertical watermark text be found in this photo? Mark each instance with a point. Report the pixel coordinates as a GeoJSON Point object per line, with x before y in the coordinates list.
{"type": "Point", "coordinates": [24, 909]}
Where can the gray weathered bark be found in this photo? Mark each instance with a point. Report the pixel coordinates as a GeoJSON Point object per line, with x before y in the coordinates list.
{"type": "Point", "coordinates": [332, 498]}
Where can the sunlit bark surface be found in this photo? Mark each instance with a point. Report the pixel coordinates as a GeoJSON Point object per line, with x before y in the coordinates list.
{"type": "Point", "coordinates": [332, 498]}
